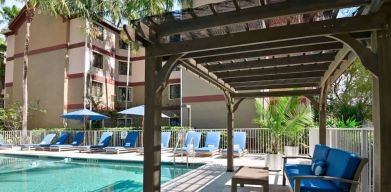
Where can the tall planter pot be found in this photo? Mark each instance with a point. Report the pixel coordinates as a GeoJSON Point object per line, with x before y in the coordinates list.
{"type": "Point", "coordinates": [291, 150]}
{"type": "Point", "coordinates": [274, 161]}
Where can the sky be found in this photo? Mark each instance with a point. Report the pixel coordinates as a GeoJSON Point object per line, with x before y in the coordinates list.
{"type": "Point", "coordinates": [9, 3]}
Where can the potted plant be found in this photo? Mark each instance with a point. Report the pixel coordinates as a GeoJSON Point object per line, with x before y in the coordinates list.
{"type": "Point", "coordinates": [284, 116]}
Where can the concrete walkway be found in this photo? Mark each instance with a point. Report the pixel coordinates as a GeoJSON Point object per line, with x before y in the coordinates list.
{"type": "Point", "coordinates": [210, 177]}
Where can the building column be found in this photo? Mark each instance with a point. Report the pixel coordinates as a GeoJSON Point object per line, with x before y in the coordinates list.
{"type": "Point", "coordinates": [152, 125]}
{"type": "Point", "coordinates": [382, 111]}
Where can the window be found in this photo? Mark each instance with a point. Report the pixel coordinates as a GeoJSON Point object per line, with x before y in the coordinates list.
{"type": "Point", "coordinates": [175, 91]}
{"type": "Point", "coordinates": [123, 44]}
{"type": "Point", "coordinates": [97, 89]}
{"type": "Point", "coordinates": [122, 68]}
{"type": "Point", "coordinates": [97, 60]}
{"type": "Point", "coordinates": [121, 94]}
{"type": "Point", "coordinates": [121, 122]}
{"type": "Point", "coordinates": [98, 31]}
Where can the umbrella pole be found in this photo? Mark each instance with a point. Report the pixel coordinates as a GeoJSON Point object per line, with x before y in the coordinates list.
{"type": "Point", "coordinates": [84, 128]}
{"type": "Point", "coordinates": [142, 132]}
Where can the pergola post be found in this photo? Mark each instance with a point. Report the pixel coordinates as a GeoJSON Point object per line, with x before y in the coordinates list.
{"type": "Point", "coordinates": [382, 110]}
{"type": "Point", "coordinates": [152, 125]}
{"type": "Point", "coordinates": [230, 127]}
{"type": "Point", "coordinates": [323, 114]}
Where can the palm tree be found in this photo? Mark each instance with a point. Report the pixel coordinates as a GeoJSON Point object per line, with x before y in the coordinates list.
{"type": "Point", "coordinates": [283, 116]}
{"type": "Point", "coordinates": [9, 13]}
{"type": "Point", "coordinates": [47, 6]}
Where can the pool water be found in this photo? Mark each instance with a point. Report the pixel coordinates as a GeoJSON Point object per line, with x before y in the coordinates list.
{"type": "Point", "coordinates": [47, 174]}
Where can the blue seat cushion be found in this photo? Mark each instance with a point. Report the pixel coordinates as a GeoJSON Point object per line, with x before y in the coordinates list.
{"type": "Point", "coordinates": [292, 170]}
{"type": "Point", "coordinates": [320, 153]}
{"type": "Point", "coordinates": [342, 164]}
{"type": "Point", "coordinates": [316, 185]}
{"type": "Point", "coordinates": [308, 185]}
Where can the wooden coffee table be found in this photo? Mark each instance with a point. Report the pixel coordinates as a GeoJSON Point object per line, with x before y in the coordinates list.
{"type": "Point", "coordinates": [251, 175]}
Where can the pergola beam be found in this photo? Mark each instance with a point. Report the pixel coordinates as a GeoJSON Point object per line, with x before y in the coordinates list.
{"type": "Point", "coordinates": [342, 67]}
{"type": "Point", "coordinates": [286, 8]}
{"type": "Point", "coordinates": [297, 31]}
{"type": "Point", "coordinates": [276, 82]}
{"type": "Point", "coordinates": [141, 32]}
{"type": "Point", "coordinates": [262, 47]}
{"type": "Point", "coordinates": [203, 73]}
{"type": "Point", "coordinates": [334, 65]}
{"type": "Point", "coordinates": [304, 92]}
{"type": "Point", "coordinates": [274, 70]}
{"type": "Point", "coordinates": [278, 86]}
{"type": "Point", "coordinates": [311, 74]}
{"type": "Point", "coordinates": [304, 59]}
{"type": "Point", "coordinates": [367, 57]}
{"type": "Point", "coordinates": [272, 52]}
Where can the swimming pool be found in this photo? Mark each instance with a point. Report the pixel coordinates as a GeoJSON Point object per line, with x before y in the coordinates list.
{"type": "Point", "coordinates": [44, 174]}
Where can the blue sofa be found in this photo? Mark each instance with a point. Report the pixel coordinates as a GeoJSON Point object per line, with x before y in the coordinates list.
{"type": "Point", "coordinates": [342, 170]}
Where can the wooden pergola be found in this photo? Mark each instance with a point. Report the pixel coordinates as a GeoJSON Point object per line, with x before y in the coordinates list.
{"type": "Point", "coordinates": [268, 48]}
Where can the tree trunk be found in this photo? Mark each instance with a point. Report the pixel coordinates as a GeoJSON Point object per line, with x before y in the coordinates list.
{"type": "Point", "coordinates": [29, 15]}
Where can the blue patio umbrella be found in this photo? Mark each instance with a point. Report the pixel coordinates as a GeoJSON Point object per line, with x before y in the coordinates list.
{"type": "Point", "coordinates": [139, 110]}
{"type": "Point", "coordinates": [84, 115]}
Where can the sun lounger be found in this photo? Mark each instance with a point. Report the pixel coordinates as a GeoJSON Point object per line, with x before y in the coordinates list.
{"type": "Point", "coordinates": [103, 142]}
{"type": "Point", "coordinates": [78, 140]}
{"type": "Point", "coordinates": [192, 141]}
{"type": "Point", "coordinates": [239, 145]}
{"type": "Point", "coordinates": [212, 144]}
{"type": "Point", "coordinates": [129, 146]}
{"type": "Point", "coordinates": [165, 138]}
{"type": "Point", "coordinates": [47, 140]}
{"type": "Point", "coordinates": [5, 146]}
{"type": "Point", "coordinates": [61, 140]}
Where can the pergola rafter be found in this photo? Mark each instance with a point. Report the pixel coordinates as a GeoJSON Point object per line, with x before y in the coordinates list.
{"type": "Point", "coordinates": [257, 48]}
{"type": "Point", "coordinates": [287, 8]}
{"type": "Point", "coordinates": [288, 32]}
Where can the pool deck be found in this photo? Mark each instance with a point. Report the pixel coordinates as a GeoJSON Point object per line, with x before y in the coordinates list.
{"type": "Point", "coordinates": [210, 177]}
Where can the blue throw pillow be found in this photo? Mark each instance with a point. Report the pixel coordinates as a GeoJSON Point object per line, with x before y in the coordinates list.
{"type": "Point", "coordinates": [318, 168]}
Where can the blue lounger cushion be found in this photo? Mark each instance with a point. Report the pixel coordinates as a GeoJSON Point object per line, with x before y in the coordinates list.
{"type": "Point", "coordinates": [61, 140]}
{"type": "Point", "coordinates": [342, 164]}
{"type": "Point", "coordinates": [237, 150]}
{"type": "Point", "coordinates": [240, 141]}
{"type": "Point", "coordinates": [212, 143]}
{"type": "Point", "coordinates": [165, 137]}
{"type": "Point", "coordinates": [6, 145]}
{"type": "Point", "coordinates": [205, 149]}
{"type": "Point", "coordinates": [78, 140]}
{"type": "Point", "coordinates": [193, 138]}
{"type": "Point", "coordinates": [45, 141]}
{"type": "Point", "coordinates": [130, 142]}
{"type": "Point", "coordinates": [103, 142]}
{"type": "Point", "coordinates": [64, 145]}
{"type": "Point", "coordinates": [184, 149]}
